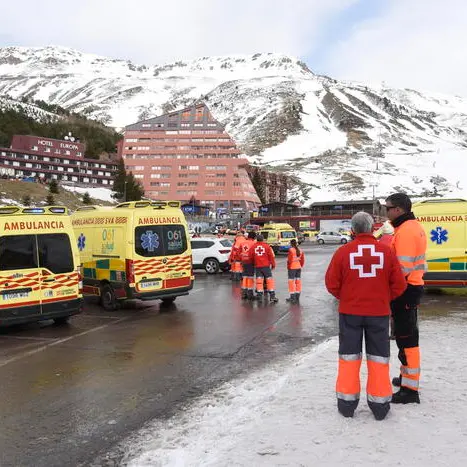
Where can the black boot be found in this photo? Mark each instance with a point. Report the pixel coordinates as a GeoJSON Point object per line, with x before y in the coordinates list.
{"type": "Point", "coordinates": [297, 298]}
{"type": "Point", "coordinates": [379, 410]}
{"type": "Point", "coordinates": [272, 297]}
{"type": "Point", "coordinates": [291, 299]}
{"type": "Point", "coordinates": [259, 296]}
{"type": "Point", "coordinates": [405, 396]}
{"type": "Point", "coordinates": [244, 294]}
{"type": "Point", "coordinates": [396, 381]}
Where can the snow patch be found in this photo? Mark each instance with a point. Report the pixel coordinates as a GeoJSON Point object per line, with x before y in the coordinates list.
{"type": "Point", "coordinates": [104, 194]}
{"type": "Point", "coordinates": [286, 415]}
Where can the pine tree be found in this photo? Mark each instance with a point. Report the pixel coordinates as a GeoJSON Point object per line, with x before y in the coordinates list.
{"type": "Point", "coordinates": [26, 201]}
{"type": "Point", "coordinates": [50, 200]}
{"type": "Point", "coordinates": [120, 179]}
{"type": "Point", "coordinates": [53, 186]}
{"type": "Point", "coordinates": [258, 184]}
{"type": "Point", "coordinates": [87, 198]}
{"type": "Point", "coordinates": [126, 187]}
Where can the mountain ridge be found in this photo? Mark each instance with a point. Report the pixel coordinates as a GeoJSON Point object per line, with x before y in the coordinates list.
{"type": "Point", "coordinates": [339, 140]}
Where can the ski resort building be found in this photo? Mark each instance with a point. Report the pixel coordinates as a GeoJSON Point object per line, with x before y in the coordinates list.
{"type": "Point", "coordinates": [186, 155]}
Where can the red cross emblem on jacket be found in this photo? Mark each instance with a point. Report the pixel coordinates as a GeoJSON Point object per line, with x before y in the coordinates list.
{"type": "Point", "coordinates": [367, 261]}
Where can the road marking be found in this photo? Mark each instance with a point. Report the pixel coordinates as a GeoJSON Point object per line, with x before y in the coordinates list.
{"type": "Point", "coordinates": [60, 341]}
{"type": "Point", "coordinates": [30, 338]}
{"type": "Point", "coordinates": [196, 291]}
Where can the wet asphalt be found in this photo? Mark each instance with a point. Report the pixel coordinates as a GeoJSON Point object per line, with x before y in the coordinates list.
{"type": "Point", "coordinates": [70, 394]}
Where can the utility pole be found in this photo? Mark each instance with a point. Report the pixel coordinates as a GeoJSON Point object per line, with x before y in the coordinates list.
{"type": "Point", "coordinates": [378, 154]}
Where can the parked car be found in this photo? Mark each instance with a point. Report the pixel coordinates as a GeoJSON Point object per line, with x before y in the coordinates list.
{"type": "Point", "coordinates": [300, 237]}
{"type": "Point", "coordinates": [211, 254]}
{"type": "Point", "coordinates": [332, 237]}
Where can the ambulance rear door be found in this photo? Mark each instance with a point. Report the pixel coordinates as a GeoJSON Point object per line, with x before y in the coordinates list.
{"type": "Point", "coordinates": [162, 260]}
{"type": "Point", "coordinates": [19, 276]}
{"type": "Point", "coordinates": [59, 276]}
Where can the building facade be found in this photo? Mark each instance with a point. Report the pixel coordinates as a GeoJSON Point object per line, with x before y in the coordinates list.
{"type": "Point", "coordinates": [186, 155]}
{"type": "Point", "coordinates": [275, 185]}
{"type": "Point", "coordinates": [47, 158]}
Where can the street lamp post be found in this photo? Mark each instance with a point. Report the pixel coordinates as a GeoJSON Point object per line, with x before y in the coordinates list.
{"type": "Point", "coordinates": [124, 191]}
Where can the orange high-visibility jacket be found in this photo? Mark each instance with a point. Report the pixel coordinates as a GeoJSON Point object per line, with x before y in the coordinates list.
{"type": "Point", "coordinates": [294, 261]}
{"type": "Point", "coordinates": [410, 245]}
{"type": "Point", "coordinates": [236, 252]}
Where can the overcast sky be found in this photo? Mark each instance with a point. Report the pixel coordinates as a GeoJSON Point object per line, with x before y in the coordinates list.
{"type": "Point", "coordinates": [405, 43]}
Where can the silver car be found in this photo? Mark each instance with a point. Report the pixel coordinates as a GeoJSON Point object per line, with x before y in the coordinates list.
{"type": "Point", "coordinates": [332, 237]}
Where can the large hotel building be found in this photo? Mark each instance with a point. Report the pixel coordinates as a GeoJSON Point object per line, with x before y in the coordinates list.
{"type": "Point", "coordinates": [187, 155]}
{"type": "Point", "coordinates": [47, 158]}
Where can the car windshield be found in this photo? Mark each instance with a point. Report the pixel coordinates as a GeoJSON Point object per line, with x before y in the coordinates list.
{"type": "Point", "coordinates": [288, 234]}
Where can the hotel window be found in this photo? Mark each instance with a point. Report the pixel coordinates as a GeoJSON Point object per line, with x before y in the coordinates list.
{"type": "Point", "coordinates": [155, 175]}
{"type": "Point", "coordinates": [220, 175]}
{"type": "Point", "coordinates": [213, 184]}
{"type": "Point", "coordinates": [66, 161]}
{"type": "Point", "coordinates": [131, 140]}
{"type": "Point", "coordinates": [26, 157]}
{"type": "Point", "coordinates": [16, 164]}
{"type": "Point", "coordinates": [46, 149]}
{"type": "Point", "coordinates": [86, 180]}
{"type": "Point", "coordinates": [60, 169]}
{"type": "Point", "coordinates": [184, 132]}
{"type": "Point", "coordinates": [34, 148]}
{"type": "Point", "coordinates": [107, 174]}
{"type": "Point", "coordinates": [138, 167]}
{"type": "Point", "coordinates": [98, 173]}
{"type": "Point", "coordinates": [79, 154]}
{"type": "Point", "coordinates": [165, 184]}
{"type": "Point", "coordinates": [171, 132]}
{"type": "Point", "coordinates": [67, 153]}
{"type": "Point", "coordinates": [219, 193]}
{"type": "Point", "coordinates": [143, 148]}
{"type": "Point", "coordinates": [70, 169]}
{"type": "Point", "coordinates": [28, 165]}
{"type": "Point", "coordinates": [198, 124]}
{"type": "Point", "coordinates": [220, 183]}
{"type": "Point", "coordinates": [94, 180]}
{"type": "Point", "coordinates": [155, 184]}
{"type": "Point", "coordinates": [139, 176]}
{"type": "Point", "coordinates": [146, 125]}
{"type": "Point", "coordinates": [212, 124]}
{"type": "Point", "coordinates": [105, 182]}
{"type": "Point", "coordinates": [185, 125]}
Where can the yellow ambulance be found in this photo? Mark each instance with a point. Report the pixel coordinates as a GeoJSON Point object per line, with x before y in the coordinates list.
{"type": "Point", "coordinates": [39, 265]}
{"type": "Point", "coordinates": [135, 250]}
{"type": "Point", "coordinates": [278, 236]}
{"type": "Point", "coordinates": [445, 224]}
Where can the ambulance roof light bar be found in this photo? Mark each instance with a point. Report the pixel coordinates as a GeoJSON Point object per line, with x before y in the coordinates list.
{"type": "Point", "coordinates": [33, 210]}
{"type": "Point", "coordinates": [88, 208]}
{"type": "Point", "coordinates": [437, 201]}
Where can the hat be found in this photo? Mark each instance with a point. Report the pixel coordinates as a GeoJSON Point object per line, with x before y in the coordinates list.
{"type": "Point", "coordinates": [387, 228]}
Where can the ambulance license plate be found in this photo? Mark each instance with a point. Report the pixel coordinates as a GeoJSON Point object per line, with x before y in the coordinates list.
{"type": "Point", "coordinates": [14, 295]}
{"type": "Point", "coordinates": [150, 285]}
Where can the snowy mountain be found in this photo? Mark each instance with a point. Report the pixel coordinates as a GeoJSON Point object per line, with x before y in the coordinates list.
{"type": "Point", "coordinates": [340, 140]}
{"type": "Point", "coordinates": [30, 110]}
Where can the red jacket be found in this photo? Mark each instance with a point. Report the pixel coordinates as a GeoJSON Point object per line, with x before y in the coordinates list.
{"type": "Point", "coordinates": [365, 276]}
{"type": "Point", "coordinates": [262, 256]}
{"type": "Point", "coordinates": [245, 253]}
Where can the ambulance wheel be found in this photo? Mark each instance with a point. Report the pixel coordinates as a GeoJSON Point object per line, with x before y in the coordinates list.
{"type": "Point", "coordinates": [61, 321]}
{"type": "Point", "coordinates": [168, 301]}
{"type": "Point", "coordinates": [211, 266]}
{"type": "Point", "coordinates": [108, 298]}
{"type": "Point", "coordinates": [321, 241]}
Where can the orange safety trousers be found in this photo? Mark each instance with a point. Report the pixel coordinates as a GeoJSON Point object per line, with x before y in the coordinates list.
{"type": "Point", "coordinates": [261, 274]}
{"type": "Point", "coordinates": [405, 313]}
{"type": "Point", "coordinates": [237, 267]}
{"type": "Point", "coordinates": [248, 279]}
{"type": "Point", "coordinates": [352, 330]}
{"type": "Point", "coordinates": [295, 281]}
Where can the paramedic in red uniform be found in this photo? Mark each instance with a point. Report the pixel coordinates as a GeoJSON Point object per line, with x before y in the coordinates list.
{"type": "Point", "coordinates": [364, 276]}
{"type": "Point", "coordinates": [248, 279]}
{"type": "Point", "coordinates": [263, 258]}
{"type": "Point", "coordinates": [410, 244]}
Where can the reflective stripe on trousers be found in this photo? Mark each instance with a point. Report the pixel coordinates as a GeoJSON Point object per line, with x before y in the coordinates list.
{"type": "Point", "coordinates": [348, 377]}
{"type": "Point", "coordinates": [410, 373]}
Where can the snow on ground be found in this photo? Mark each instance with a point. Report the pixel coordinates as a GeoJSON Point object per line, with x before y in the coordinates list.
{"type": "Point", "coordinates": [286, 415]}
{"type": "Point", "coordinates": [8, 201]}
{"type": "Point", "coordinates": [103, 194]}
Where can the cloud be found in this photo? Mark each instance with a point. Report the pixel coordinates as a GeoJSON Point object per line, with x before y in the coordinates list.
{"type": "Point", "coordinates": [149, 31]}
{"type": "Point", "coordinates": [412, 43]}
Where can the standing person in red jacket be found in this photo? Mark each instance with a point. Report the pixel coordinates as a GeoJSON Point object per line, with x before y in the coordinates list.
{"type": "Point", "coordinates": [264, 261]}
{"type": "Point", "coordinates": [295, 263]}
{"type": "Point", "coordinates": [248, 279]}
{"type": "Point", "coordinates": [365, 276]}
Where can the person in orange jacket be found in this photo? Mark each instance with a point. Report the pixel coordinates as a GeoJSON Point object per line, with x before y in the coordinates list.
{"type": "Point", "coordinates": [410, 244]}
{"type": "Point", "coordinates": [295, 263]}
{"type": "Point", "coordinates": [235, 260]}
{"type": "Point", "coordinates": [248, 280]}
{"type": "Point", "coordinates": [264, 261]}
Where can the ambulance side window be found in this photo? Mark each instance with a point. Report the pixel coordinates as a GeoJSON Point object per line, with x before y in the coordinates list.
{"type": "Point", "coordinates": [148, 241]}
{"type": "Point", "coordinates": [18, 252]}
{"type": "Point", "coordinates": [55, 253]}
